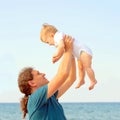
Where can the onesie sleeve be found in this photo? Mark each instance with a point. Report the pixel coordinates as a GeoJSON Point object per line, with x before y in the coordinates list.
{"type": "Point", "coordinates": [57, 37]}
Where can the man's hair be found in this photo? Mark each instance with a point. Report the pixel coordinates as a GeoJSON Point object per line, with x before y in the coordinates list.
{"type": "Point", "coordinates": [23, 78]}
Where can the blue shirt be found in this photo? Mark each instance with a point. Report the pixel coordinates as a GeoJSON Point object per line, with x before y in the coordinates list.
{"type": "Point", "coordinates": [41, 108]}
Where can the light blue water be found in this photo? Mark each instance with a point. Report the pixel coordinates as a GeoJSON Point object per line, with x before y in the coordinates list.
{"type": "Point", "coordinates": [92, 111]}
{"type": "Point", "coordinates": [73, 111]}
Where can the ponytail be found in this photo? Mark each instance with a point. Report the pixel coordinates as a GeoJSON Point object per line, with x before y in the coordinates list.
{"type": "Point", "coordinates": [23, 103]}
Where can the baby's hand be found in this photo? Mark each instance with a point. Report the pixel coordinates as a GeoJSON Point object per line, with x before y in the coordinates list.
{"type": "Point", "coordinates": [55, 59]}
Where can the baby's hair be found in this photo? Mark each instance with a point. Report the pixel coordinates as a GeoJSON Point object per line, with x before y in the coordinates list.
{"type": "Point", "coordinates": [46, 30]}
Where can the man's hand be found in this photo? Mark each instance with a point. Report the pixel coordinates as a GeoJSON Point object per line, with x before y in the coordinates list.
{"type": "Point", "coordinates": [68, 41]}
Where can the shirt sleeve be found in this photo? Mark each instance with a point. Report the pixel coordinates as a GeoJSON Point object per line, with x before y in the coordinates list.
{"type": "Point", "coordinates": [56, 94]}
{"type": "Point", "coordinates": [39, 98]}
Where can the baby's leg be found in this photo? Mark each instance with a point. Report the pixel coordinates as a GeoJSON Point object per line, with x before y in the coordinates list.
{"type": "Point", "coordinates": [81, 74]}
{"type": "Point", "coordinates": [87, 61]}
{"type": "Point", "coordinates": [91, 75]}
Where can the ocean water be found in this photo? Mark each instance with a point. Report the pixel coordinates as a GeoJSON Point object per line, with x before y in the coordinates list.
{"type": "Point", "coordinates": [73, 111]}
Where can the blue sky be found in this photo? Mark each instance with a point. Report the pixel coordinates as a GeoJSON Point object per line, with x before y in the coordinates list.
{"type": "Point", "coordinates": [95, 23]}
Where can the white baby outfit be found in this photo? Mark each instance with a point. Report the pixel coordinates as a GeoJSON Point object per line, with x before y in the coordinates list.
{"type": "Point", "coordinates": [77, 47]}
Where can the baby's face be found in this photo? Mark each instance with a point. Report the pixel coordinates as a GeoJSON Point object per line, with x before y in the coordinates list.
{"type": "Point", "coordinates": [50, 41]}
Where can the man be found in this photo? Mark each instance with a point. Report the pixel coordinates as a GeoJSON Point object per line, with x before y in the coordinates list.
{"type": "Point", "coordinates": [41, 96]}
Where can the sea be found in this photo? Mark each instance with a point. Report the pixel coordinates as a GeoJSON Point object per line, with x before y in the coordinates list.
{"type": "Point", "coordinates": [73, 111]}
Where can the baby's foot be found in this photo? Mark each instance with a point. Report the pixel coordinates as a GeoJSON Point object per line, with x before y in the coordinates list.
{"type": "Point", "coordinates": [92, 85]}
{"type": "Point", "coordinates": [80, 84]}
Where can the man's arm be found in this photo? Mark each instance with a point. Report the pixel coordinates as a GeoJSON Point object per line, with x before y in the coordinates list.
{"type": "Point", "coordinates": [63, 70]}
{"type": "Point", "coordinates": [69, 80]}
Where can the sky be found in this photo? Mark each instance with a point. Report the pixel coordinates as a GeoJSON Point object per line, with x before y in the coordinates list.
{"type": "Point", "coordinates": [92, 22]}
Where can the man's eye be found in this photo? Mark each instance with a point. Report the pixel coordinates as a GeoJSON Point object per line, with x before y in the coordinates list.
{"type": "Point", "coordinates": [39, 73]}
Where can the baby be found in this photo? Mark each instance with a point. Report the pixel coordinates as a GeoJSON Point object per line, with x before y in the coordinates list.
{"type": "Point", "coordinates": [50, 35]}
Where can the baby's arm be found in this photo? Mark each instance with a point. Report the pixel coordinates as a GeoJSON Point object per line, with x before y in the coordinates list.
{"type": "Point", "coordinates": [59, 51]}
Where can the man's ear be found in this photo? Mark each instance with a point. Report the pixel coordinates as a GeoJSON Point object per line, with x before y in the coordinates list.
{"type": "Point", "coordinates": [31, 83]}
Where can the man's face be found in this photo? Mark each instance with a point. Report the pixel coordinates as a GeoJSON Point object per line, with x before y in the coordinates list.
{"type": "Point", "coordinates": [39, 79]}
